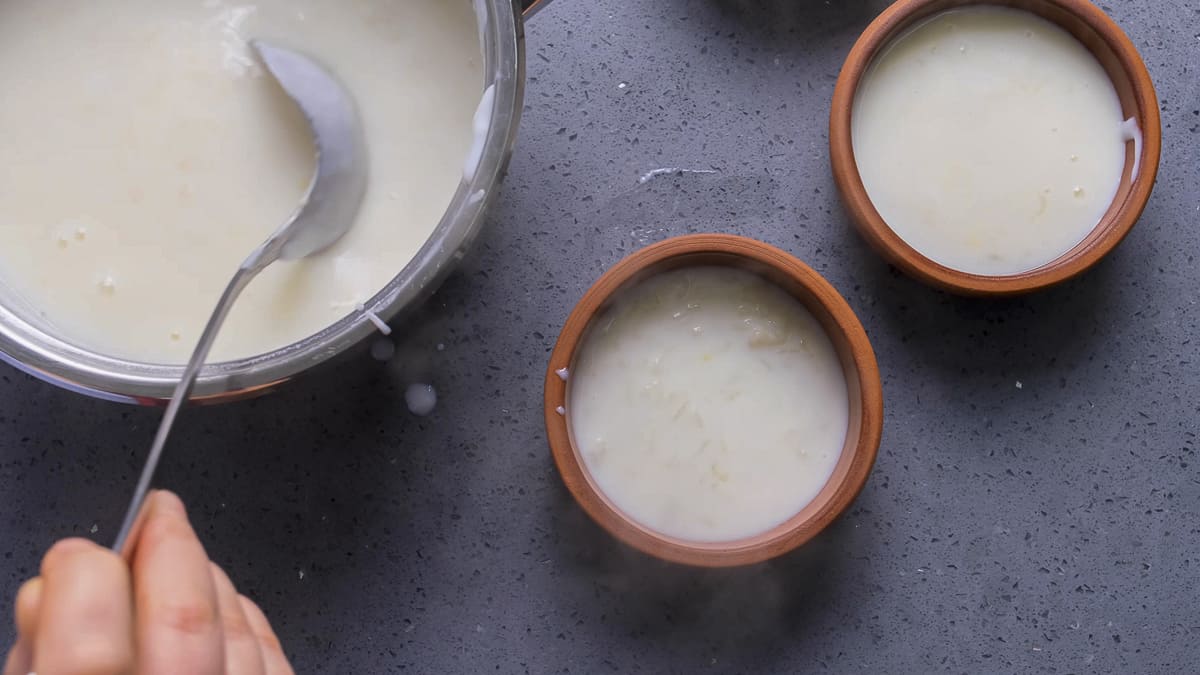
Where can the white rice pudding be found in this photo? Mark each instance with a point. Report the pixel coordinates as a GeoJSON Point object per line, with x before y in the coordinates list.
{"type": "Point", "coordinates": [708, 404]}
{"type": "Point", "coordinates": [989, 139]}
{"type": "Point", "coordinates": [144, 153]}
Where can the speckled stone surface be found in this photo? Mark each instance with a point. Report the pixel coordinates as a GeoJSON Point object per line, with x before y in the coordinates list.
{"type": "Point", "coordinates": [1035, 507]}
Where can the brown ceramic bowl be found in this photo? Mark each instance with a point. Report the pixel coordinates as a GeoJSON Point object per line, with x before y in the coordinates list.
{"type": "Point", "coordinates": [844, 330]}
{"type": "Point", "coordinates": [1115, 52]}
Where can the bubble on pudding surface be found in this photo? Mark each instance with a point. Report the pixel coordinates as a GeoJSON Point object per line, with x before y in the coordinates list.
{"type": "Point", "coordinates": [421, 399]}
{"type": "Point", "coordinates": [765, 332]}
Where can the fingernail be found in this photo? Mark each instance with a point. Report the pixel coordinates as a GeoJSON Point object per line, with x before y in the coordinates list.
{"type": "Point", "coordinates": [72, 545]}
{"type": "Point", "coordinates": [28, 604]}
{"type": "Point", "coordinates": [167, 502]}
{"type": "Point", "coordinates": [63, 550]}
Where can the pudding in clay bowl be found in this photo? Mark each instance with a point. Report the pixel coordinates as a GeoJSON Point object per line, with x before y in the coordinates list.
{"type": "Point", "coordinates": [146, 152]}
{"type": "Point", "coordinates": [993, 147]}
{"type": "Point", "coordinates": [713, 401]}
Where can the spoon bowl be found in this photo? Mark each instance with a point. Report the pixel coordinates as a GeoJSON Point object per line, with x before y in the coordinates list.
{"type": "Point", "coordinates": [340, 181]}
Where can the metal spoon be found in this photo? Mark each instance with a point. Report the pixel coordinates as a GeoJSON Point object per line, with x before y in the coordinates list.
{"type": "Point", "coordinates": [327, 212]}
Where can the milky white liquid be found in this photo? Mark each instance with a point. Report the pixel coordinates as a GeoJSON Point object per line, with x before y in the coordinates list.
{"type": "Point", "coordinates": [989, 139]}
{"type": "Point", "coordinates": [708, 404]}
{"type": "Point", "coordinates": [144, 154]}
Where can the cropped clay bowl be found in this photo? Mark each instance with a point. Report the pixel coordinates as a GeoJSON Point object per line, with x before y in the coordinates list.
{"type": "Point", "coordinates": [1120, 59]}
{"type": "Point", "coordinates": [847, 336]}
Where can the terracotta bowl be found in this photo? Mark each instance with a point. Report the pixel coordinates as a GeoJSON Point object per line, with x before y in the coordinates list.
{"type": "Point", "coordinates": [844, 330]}
{"type": "Point", "coordinates": [1115, 52]}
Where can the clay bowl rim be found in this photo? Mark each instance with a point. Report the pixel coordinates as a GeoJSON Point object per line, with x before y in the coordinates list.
{"type": "Point", "coordinates": [845, 331]}
{"type": "Point", "coordinates": [1131, 200]}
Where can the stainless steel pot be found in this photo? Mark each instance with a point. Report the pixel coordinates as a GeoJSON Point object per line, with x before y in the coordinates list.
{"type": "Point", "coordinates": [40, 353]}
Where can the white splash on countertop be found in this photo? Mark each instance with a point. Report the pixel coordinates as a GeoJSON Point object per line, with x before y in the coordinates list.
{"type": "Point", "coordinates": [671, 171]}
{"type": "Point", "coordinates": [421, 399]}
{"type": "Point", "coordinates": [383, 349]}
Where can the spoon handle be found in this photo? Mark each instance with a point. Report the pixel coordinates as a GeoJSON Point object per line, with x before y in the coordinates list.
{"type": "Point", "coordinates": [244, 275]}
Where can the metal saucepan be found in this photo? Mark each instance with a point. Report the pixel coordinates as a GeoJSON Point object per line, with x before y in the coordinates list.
{"type": "Point", "coordinates": [46, 356]}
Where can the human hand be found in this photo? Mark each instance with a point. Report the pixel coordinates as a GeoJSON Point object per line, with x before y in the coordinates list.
{"type": "Point", "coordinates": [168, 610]}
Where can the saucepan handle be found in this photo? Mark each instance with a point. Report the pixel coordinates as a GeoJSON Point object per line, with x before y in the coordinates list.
{"type": "Point", "coordinates": [531, 7]}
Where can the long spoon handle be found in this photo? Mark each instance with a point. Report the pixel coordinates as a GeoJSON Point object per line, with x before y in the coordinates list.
{"type": "Point", "coordinates": [182, 391]}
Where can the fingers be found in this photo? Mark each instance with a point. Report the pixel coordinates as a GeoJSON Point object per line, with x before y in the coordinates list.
{"type": "Point", "coordinates": [82, 610]}
{"type": "Point", "coordinates": [189, 617]}
{"type": "Point", "coordinates": [28, 606]}
{"type": "Point", "coordinates": [29, 599]}
{"type": "Point", "coordinates": [243, 656]}
{"type": "Point", "coordinates": [179, 622]}
{"type": "Point", "coordinates": [272, 651]}
{"type": "Point", "coordinates": [19, 661]}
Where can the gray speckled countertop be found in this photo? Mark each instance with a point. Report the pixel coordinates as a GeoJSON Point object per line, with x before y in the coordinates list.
{"type": "Point", "coordinates": [1035, 507]}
